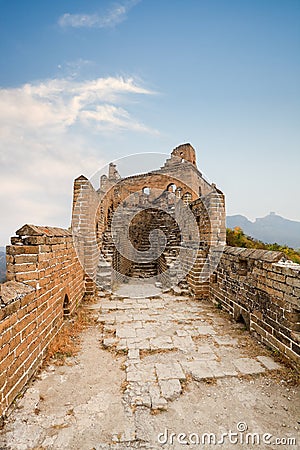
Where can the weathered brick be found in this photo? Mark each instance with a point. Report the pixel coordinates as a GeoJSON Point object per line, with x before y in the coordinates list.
{"type": "Point", "coordinates": [20, 259]}
{"type": "Point", "coordinates": [22, 249]}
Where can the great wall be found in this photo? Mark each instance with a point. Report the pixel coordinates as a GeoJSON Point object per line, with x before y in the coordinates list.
{"type": "Point", "coordinates": [166, 227]}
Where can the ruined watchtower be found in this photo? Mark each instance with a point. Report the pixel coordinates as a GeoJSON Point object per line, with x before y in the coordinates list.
{"type": "Point", "coordinates": [161, 225]}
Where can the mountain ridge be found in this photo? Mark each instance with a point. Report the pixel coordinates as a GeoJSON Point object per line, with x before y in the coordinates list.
{"type": "Point", "coordinates": [269, 229]}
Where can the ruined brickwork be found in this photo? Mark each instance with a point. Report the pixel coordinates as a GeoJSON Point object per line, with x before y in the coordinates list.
{"type": "Point", "coordinates": [257, 287]}
{"type": "Point", "coordinates": [178, 181]}
{"type": "Point", "coordinates": [179, 171]}
{"type": "Point", "coordinates": [45, 283]}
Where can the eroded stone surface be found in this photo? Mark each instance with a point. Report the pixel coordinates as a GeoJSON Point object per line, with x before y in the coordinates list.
{"type": "Point", "coordinates": [170, 338]}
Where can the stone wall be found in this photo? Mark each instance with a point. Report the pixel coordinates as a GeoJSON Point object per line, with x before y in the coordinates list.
{"type": "Point", "coordinates": [263, 290]}
{"type": "Point", "coordinates": [45, 282]}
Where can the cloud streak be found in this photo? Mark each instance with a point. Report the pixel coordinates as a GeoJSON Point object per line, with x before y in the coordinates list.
{"type": "Point", "coordinates": [113, 17]}
{"type": "Point", "coordinates": [61, 103]}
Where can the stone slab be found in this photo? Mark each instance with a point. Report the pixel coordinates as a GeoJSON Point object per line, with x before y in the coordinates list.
{"type": "Point", "coordinates": [133, 375]}
{"type": "Point", "coordinates": [204, 349]}
{"type": "Point", "coordinates": [183, 343]}
{"type": "Point", "coordinates": [170, 389]}
{"type": "Point", "coordinates": [134, 354]}
{"type": "Point", "coordinates": [206, 330]}
{"type": "Point", "coordinates": [125, 332]}
{"type": "Point", "coordinates": [109, 342]}
{"type": "Point", "coordinates": [144, 333]}
{"type": "Point", "coordinates": [248, 366]}
{"type": "Point", "coordinates": [269, 362]}
{"type": "Point", "coordinates": [181, 333]}
{"type": "Point", "coordinates": [148, 373]}
{"type": "Point", "coordinates": [143, 344]}
{"type": "Point", "coordinates": [162, 342]}
{"type": "Point", "coordinates": [157, 401]}
{"type": "Point", "coordinates": [199, 370]}
{"type": "Point", "coordinates": [169, 371]}
{"type": "Point", "coordinates": [226, 340]}
{"type": "Point", "coordinates": [216, 368]}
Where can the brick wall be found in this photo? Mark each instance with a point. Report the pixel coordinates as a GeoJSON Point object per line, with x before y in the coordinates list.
{"type": "Point", "coordinates": [258, 287]}
{"type": "Point", "coordinates": [45, 281]}
{"type": "Point", "coordinates": [209, 212]}
{"type": "Point", "coordinates": [85, 217]}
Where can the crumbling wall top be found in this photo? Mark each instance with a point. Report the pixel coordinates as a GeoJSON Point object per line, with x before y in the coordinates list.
{"type": "Point", "coordinates": [186, 152]}
{"type": "Point", "coordinates": [34, 230]}
{"type": "Point", "coordinates": [252, 253]}
{"type": "Point", "coordinates": [11, 291]}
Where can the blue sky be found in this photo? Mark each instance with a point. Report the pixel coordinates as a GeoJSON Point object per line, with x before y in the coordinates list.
{"type": "Point", "coordinates": [86, 82]}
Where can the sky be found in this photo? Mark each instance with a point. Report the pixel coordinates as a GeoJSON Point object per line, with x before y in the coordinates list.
{"type": "Point", "coordinates": [83, 83]}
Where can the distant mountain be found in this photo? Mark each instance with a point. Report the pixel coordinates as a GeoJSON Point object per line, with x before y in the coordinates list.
{"type": "Point", "coordinates": [2, 264]}
{"type": "Point", "coordinates": [269, 229]}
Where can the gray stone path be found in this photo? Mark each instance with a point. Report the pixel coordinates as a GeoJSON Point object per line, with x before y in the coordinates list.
{"type": "Point", "coordinates": [171, 339]}
{"type": "Point", "coordinates": [154, 366]}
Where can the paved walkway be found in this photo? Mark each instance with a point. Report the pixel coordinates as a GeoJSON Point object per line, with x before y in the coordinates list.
{"type": "Point", "coordinates": [156, 364]}
{"type": "Point", "coordinates": [170, 339]}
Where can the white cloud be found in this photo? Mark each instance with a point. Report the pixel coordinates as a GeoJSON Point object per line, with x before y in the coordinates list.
{"type": "Point", "coordinates": [51, 132]}
{"type": "Point", "coordinates": [113, 17]}
{"type": "Point", "coordinates": [60, 103]}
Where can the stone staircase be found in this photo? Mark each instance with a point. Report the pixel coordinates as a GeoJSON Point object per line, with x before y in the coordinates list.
{"type": "Point", "coordinates": [104, 270]}
{"type": "Point", "coordinates": [143, 270]}
{"type": "Point", "coordinates": [140, 229]}
{"type": "Point", "coordinates": [104, 275]}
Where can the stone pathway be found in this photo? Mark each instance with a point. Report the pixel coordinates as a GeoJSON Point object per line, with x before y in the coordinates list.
{"type": "Point", "coordinates": [154, 366]}
{"type": "Point", "coordinates": [169, 340]}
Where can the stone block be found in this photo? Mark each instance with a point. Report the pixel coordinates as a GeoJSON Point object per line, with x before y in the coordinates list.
{"type": "Point", "coordinates": [161, 343]}
{"type": "Point", "coordinates": [133, 375]}
{"type": "Point", "coordinates": [134, 354]}
{"type": "Point", "coordinates": [144, 333]}
{"type": "Point", "coordinates": [206, 330]}
{"type": "Point", "coordinates": [226, 340]}
{"type": "Point", "coordinates": [148, 373]}
{"type": "Point", "coordinates": [248, 366]}
{"type": "Point", "coordinates": [268, 362]}
{"type": "Point", "coordinates": [217, 368]}
{"type": "Point", "coordinates": [125, 332]}
{"type": "Point", "coordinates": [170, 389]}
{"type": "Point", "coordinates": [199, 370]}
{"type": "Point", "coordinates": [169, 371]}
{"type": "Point", "coordinates": [184, 343]}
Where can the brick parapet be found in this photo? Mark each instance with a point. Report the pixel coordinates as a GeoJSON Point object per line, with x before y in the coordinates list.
{"type": "Point", "coordinates": [44, 279]}
{"type": "Point", "coordinates": [264, 290]}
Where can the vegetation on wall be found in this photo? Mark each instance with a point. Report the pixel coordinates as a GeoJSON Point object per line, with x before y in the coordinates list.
{"type": "Point", "coordinates": [237, 238]}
